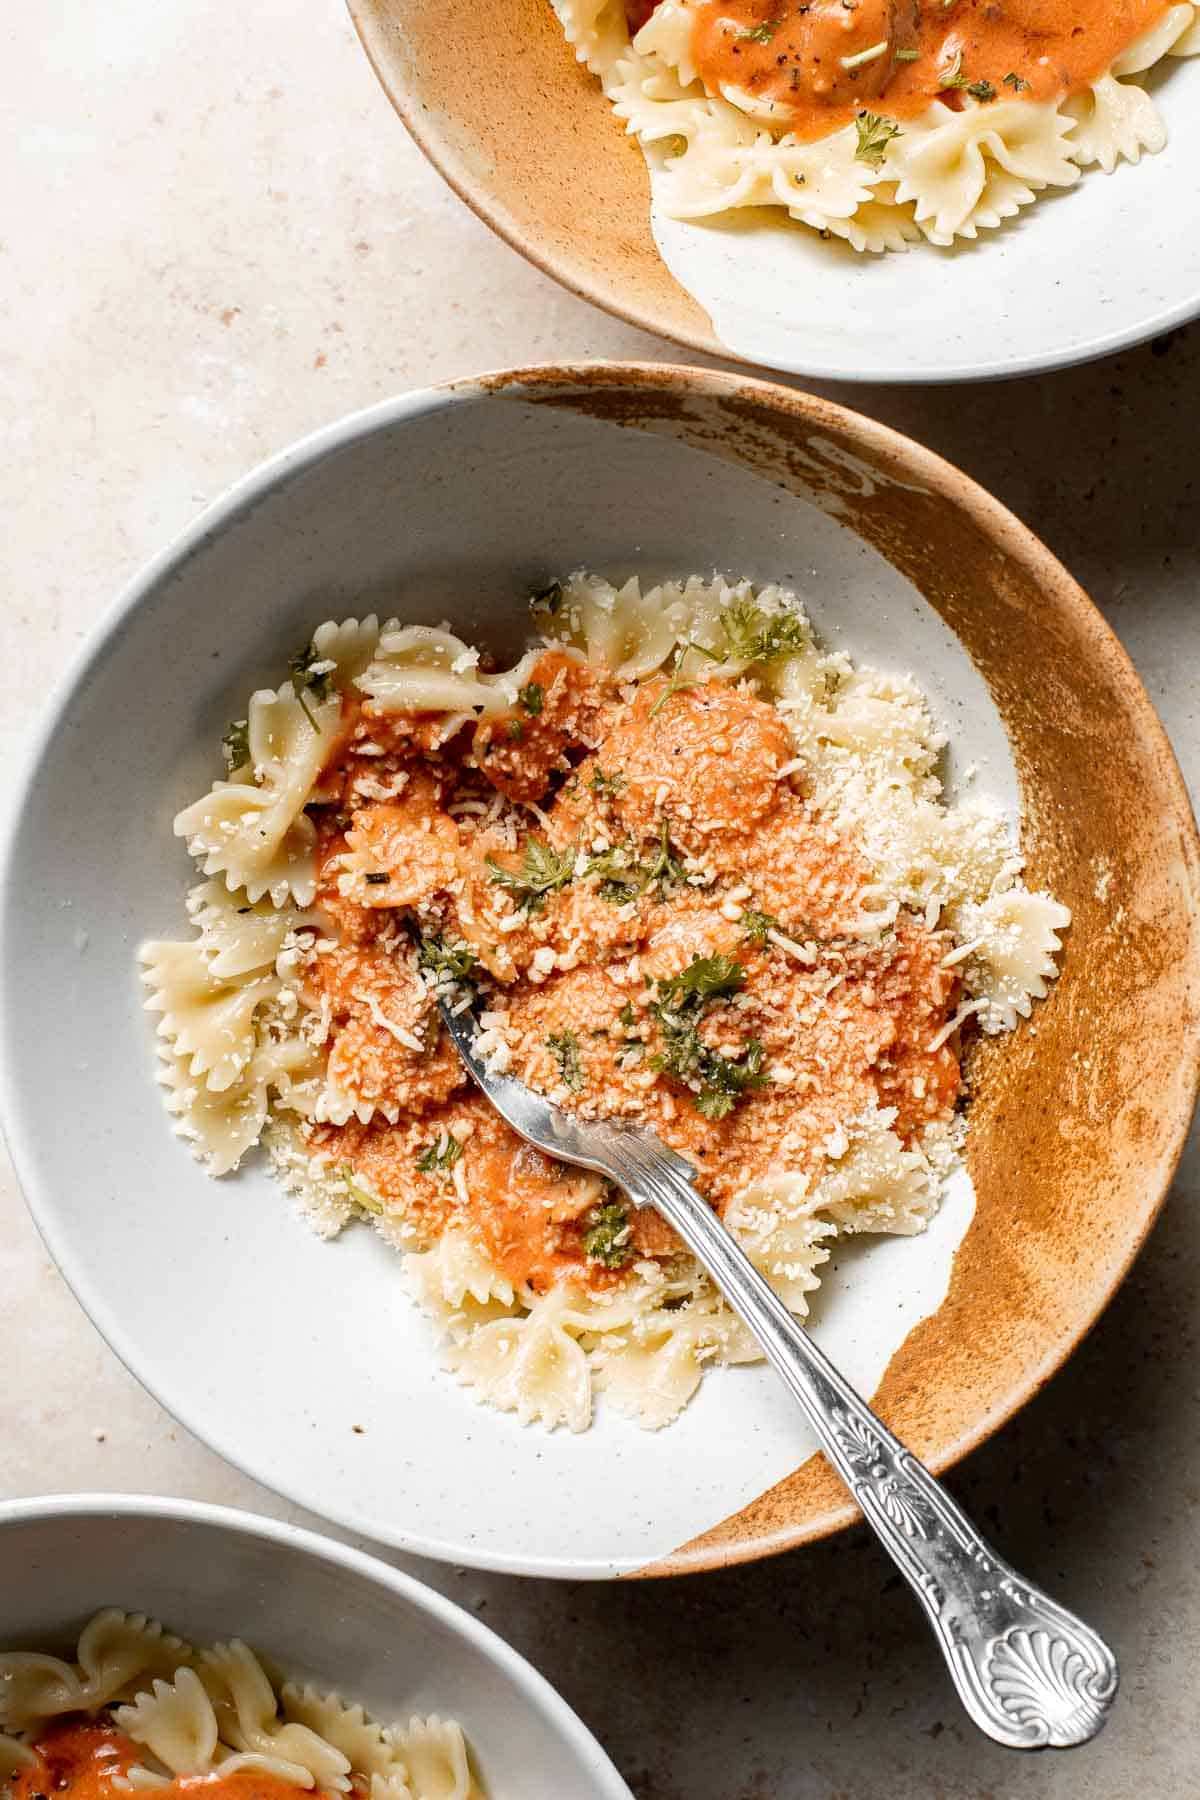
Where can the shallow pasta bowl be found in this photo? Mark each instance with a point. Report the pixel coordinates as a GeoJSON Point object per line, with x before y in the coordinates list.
{"type": "Point", "coordinates": [522, 132]}
{"type": "Point", "coordinates": [316, 1611]}
{"type": "Point", "coordinates": [303, 1361]}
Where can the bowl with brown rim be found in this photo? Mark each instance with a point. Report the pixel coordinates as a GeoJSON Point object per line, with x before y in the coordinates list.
{"type": "Point", "coordinates": [494, 96]}
{"type": "Point", "coordinates": [300, 1361]}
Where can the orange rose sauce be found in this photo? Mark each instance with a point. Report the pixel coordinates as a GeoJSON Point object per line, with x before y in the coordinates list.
{"type": "Point", "coordinates": [689, 776]}
{"type": "Point", "coordinates": [819, 65]}
{"type": "Point", "coordinates": [78, 1759]}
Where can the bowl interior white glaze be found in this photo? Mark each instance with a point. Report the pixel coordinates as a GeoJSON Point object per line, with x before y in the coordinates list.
{"type": "Point", "coordinates": [315, 1610]}
{"type": "Point", "coordinates": [266, 1342]}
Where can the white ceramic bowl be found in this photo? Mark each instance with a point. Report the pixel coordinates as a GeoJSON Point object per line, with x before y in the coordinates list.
{"type": "Point", "coordinates": [495, 97]}
{"type": "Point", "coordinates": [302, 1361]}
{"type": "Point", "coordinates": [317, 1610]}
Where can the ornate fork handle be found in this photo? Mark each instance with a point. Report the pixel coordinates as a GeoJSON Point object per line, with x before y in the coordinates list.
{"type": "Point", "coordinates": [1029, 1673]}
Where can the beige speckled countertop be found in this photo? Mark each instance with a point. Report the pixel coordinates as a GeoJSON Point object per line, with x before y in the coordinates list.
{"type": "Point", "coordinates": [216, 236]}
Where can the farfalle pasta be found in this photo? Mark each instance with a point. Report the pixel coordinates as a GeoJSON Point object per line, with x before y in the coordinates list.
{"type": "Point", "coordinates": [695, 871]}
{"type": "Point", "coordinates": [137, 1710]}
{"type": "Point", "coordinates": [885, 122]}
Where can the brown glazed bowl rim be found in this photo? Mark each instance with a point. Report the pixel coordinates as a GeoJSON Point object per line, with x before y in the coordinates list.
{"type": "Point", "coordinates": [680, 317]}
{"type": "Point", "coordinates": [946, 480]}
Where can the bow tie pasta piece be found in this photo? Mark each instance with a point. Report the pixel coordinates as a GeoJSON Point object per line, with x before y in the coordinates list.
{"type": "Point", "coordinates": [255, 832]}
{"type": "Point", "coordinates": [215, 1714]}
{"type": "Point", "coordinates": [435, 1754]}
{"type": "Point", "coordinates": [719, 141]}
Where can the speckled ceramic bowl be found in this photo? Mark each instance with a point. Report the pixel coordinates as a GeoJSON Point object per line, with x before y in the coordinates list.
{"type": "Point", "coordinates": [315, 1610]}
{"type": "Point", "coordinates": [492, 92]}
{"type": "Point", "coordinates": [301, 1361]}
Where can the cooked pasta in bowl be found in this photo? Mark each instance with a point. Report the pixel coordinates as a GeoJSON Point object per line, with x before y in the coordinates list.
{"type": "Point", "coordinates": [698, 874]}
{"type": "Point", "coordinates": [745, 764]}
{"type": "Point", "coordinates": [744, 176]}
{"type": "Point", "coordinates": [298, 1667]}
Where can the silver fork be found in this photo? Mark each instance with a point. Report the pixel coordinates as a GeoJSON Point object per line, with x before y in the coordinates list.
{"type": "Point", "coordinates": [1029, 1673]}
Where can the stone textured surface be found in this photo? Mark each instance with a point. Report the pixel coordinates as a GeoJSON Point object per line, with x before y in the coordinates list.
{"type": "Point", "coordinates": [214, 237]}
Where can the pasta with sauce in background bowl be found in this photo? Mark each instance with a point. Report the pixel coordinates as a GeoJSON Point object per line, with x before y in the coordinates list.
{"type": "Point", "coordinates": [288, 1666]}
{"type": "Point", "coordinates": [793, 151]}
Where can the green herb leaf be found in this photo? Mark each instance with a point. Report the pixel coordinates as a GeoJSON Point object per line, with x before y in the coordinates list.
{"type": "Point", "coordinates": [236, 745]}
{"type": "Point", "coordinates": [678, 681]}
{"type": "Point", "coordinates": [627, 1016]}
{"type": "Point", "coordinates": [625, 878]}
{"type": "Point", "coordinates": [516, 731]}
{"type": "Point", "coordinates": [564, 1047]}
{"type": "Point", "coordinates": [442, 959]}
{"type": "Point", "coordinates": [606, 1239]}
{"type": "Point", "coordinates": [761, 33]}
{"type": "Point", "coordinates": [1016, 82]}
{"type": "Point", "coordinates": [666, 866]}
{"type": "Point", "coordinates": [874, 136]}
{"type": "Point", "coordinates": [308, 679]}
{"type": "Point", "coordinates": [439, 1158]}
{"type": "Point", "coordinates": [681, 1004]}
{"type": "Point", "coordinates": [600, 783]}
{"type": "Point", "coordinates": [756, 636]}
{"type": "Point", "coordinates": [543, 868]}
{"type": "Point", "coordinates": [725, 1081]}
{"type": "Point", "coordinates": [981, 90]}
{"type": "Point", "coordinates": [358, 1193]}
{"type": "Point", "coordinates": [706, 978]}
{"type": "Point", "coordinates": [532, 697]}
{"type": "Point", "coordinates": [757, 924]}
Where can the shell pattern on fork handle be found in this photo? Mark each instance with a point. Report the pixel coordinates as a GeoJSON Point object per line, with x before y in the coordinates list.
{"type": "Point", "coordinates": [1029, 1672]}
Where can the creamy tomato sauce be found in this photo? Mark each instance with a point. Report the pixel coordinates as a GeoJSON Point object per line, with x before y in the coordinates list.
{"type": "Point", "coordinates": [590, 861]}
{"type": "Point", "coordinates": [816, 66]}
{"type": "Point", "coordinates": [79, 1759]}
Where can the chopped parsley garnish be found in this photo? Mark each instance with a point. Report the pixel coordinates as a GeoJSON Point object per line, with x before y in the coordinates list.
{"type": "Point", "coordinates": [620, 875]}
{"type": "Point", "coordinates": [908, 55]}
{"type": "Point", "coordinates": [606, 1239]}
{"type": "Point", "coordinates": [516, 731]}
{"type": "Point", "coordinates": [874, 136]}
{"type": "Point", "coordinates": [548, 599]}
{"type": "Point", "coordinates": [761, 33]}
{"type": "Point", "coordinates": [627, 1016]}
{"type": "Point", "coordinates": [443, 959]}
{"type": "Point", "coordinates": [756, 636]}
{"type": "Point", "coordinates": [532, 696]}
{"type": "Point", "coordinates": [678, 681]}
{"type": "Point", "coordinates": [626, 878]}
{"type": "Point", "coordinates": [543, 868]}
{"type": "Point", "coordinates": [666, 867]}
{"type": "Point", "coordinates": [978, 90]}
{"type": "Point", "coordinates": [310, 676]}
{"type": "Point", "coordinates": [705, 978]}
{"type": "Point", "coordinates": [564, 1048]}
{"type": "Point", "coordinates": [600, 783]}
{"type": "Point", "coordinates": [236, 745]}
{"type": "Point", "coordinates": [725, 1082]}
{"type": "Point", "coordinates": [439, 1158]}
{"type": "Point", "coordinates": [1016, 82]}
{"type": "Point", "coordinates": [717, 1082]}
{"type": "Point", "coordinates": [757, 924]}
